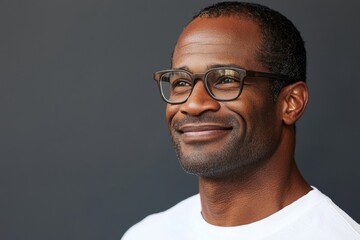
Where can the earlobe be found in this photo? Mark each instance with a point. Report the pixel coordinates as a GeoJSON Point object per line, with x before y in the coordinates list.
{"type": "Point", "coordinates": [294, 98]}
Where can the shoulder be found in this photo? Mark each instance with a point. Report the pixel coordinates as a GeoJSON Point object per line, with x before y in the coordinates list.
{"type": "Point", "coordinates": [325, 218]}
{"type": "Point", "coordinates": [153, 225]}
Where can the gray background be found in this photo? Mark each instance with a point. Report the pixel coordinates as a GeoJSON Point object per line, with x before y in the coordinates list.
{"type": "Point", "coordinates": [85, 151]}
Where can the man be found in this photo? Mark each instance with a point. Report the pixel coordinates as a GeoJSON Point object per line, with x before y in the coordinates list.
{"type": "Point", "coordinates": [235, 90]}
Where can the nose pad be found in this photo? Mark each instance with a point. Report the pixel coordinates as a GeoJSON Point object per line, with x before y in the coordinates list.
{"type": "Point", "coordinates": [199, 100]}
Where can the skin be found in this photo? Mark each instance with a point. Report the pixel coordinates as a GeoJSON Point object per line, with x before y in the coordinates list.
{"type": "Point", "coordinates": [242, 150]}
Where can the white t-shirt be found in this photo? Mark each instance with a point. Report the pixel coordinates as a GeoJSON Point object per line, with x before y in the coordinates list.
{"type": "Point", "coordinates": [313, 216]}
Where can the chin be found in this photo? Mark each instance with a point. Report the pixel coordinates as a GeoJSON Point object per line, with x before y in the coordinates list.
{"type": "Point", "coordinates": [221, 159]}
{"type": "Point", "coordinates": [214, 166]}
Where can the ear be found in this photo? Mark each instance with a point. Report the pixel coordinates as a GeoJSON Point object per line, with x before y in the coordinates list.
{"type": "Point", "coordinates": [294, 99]}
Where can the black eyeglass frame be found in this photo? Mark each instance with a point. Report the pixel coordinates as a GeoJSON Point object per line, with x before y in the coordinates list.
{"type": "Point", "coordinates": [203, 76]}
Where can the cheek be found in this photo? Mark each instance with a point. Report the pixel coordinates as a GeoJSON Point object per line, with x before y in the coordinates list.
{"type": "Point", "coordinates": [243, 107]}
{"type": "Point", "coordinates": [171, 111]}
{"type": "Point", "coordinates": [254, 112]}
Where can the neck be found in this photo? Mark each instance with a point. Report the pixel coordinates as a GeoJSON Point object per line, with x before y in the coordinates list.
{"type": "Point", "coordinates": [250, 197]}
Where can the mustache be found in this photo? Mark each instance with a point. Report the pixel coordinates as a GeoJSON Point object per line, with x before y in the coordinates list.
{"type": "Point", "coordinates": [205, 118]}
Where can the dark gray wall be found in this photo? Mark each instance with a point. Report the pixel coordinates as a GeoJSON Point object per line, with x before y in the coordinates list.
{"type": "Point", "coordinates": [84, 149]}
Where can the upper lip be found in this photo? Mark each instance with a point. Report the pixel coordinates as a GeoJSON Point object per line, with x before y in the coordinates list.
{"type": "Point", "coordinates": [202, 127]}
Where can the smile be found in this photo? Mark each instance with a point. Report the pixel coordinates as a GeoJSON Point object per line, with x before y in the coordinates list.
{"type": "Point", "coordinates": [202, 133]}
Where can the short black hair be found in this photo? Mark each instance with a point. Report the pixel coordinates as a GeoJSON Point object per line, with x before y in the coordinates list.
{"type": "Point", "coordinates": [282, 50]}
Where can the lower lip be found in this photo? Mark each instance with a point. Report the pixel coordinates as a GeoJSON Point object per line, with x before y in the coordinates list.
{"type": "Point", "coordinates": [203, 136]}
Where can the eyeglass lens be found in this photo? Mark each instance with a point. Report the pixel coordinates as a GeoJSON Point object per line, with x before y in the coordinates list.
{"type": "Point", "coordinates": [222, 84]}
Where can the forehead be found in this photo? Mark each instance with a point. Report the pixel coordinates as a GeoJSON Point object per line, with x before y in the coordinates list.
{"type": "Point", "coordinates": [216, 41]}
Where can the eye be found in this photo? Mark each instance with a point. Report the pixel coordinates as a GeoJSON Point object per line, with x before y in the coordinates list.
{"type": "Point", "coordinates": [225, 80]}
{"type": "Point", "coordinates": [228, 81]}
{"type": "Point", "coordinates": [181, 83]}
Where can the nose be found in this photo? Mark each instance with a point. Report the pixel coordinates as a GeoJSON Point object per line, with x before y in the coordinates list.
{"type": "Point", "coordinates": [199, 101]}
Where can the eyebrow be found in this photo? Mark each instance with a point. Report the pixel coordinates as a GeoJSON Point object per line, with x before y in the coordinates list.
{"type": "Point", "coordinates": [216, 65]}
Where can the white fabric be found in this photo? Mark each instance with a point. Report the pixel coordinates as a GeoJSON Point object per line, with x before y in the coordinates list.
{"type": "Point", "coordinates": [313, 216]}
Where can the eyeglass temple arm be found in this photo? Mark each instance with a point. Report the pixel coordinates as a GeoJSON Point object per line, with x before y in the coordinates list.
{"type": "Point", "coordinates": [269, 75]}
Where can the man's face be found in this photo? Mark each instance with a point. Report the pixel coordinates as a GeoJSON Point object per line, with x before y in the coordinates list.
{"type": "Point", "coordinates": [217, 139]}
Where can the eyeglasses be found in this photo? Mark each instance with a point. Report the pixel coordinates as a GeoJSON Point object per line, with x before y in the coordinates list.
{"type": "Point", "coordinates": [222, 83]}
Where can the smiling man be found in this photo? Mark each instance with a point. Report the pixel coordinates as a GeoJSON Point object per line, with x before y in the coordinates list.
{"type": "Point", "coordinates": [235, 90]}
